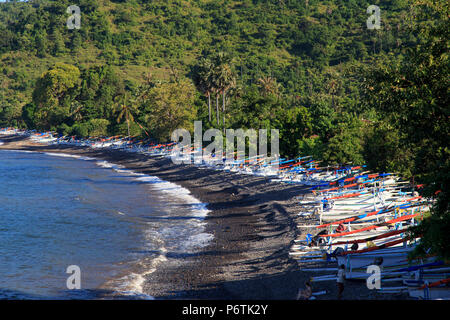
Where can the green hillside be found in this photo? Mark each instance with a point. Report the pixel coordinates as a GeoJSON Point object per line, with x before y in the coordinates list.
{"type": "Point", "coordinates": [309, 48]}
{"type": "Point", "coordinates": [312, 69]}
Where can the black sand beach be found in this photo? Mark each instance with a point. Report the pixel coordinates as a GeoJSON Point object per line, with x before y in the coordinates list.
{"type": "Point", "coordinates": [253, 222]}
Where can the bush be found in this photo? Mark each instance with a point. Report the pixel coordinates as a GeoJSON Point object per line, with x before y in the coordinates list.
{"type": "Point", "coordinates": [98, 127]}
{"type": "Point", "coordinates": [64, 129]}
{"type": "Point", "coordinates": [121, 129]}
{"type": "Point", "coordinates": [80, 130]}
{"type": "Point", "coordinates": [91, 128]}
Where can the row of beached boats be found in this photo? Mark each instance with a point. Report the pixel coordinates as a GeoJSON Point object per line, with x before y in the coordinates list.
{"type": "Point", "coordinates": [302, 170]}
{"type": "Point", "coordinates": [362, 220]}
{"type": "Point", "coordinates": [351, 217]}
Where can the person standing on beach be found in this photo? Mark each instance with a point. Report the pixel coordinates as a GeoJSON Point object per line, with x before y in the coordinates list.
{"type": "Point", "coordinates": [340, 280]}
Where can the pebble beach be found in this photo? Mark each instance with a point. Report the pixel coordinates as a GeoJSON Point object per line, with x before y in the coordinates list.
{"type": "Point", "coordinates": [253, 220]}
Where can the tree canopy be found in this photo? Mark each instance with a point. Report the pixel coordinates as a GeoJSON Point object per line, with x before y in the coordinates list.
{"type": "Point", "coordinates": [334, 88]}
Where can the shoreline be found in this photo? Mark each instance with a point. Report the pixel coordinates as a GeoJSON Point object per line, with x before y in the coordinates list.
{"type": "Point", "coordinates": [253, 221]}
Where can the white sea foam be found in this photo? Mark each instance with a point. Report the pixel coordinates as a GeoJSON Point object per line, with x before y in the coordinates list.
{"type": "Point", "coordinates": [127, 171]}
{"type": "Point", "coordinates": [199, 240]}
{"type": "Point", "coordinates": [65, 155]}
{"type": "Point", "coordinates": [18, 150]}
{"type": "Point", "coordinates": [192, 229]}
{"type": "Point", "coordinates": [133, 283]}
{"type": "Point", "coordinates": [106, 164]}
{"type": "Point", "coordinates": [161, 185]}
{"type": "Point", "coordinates": [24, 151]}
{"type": "Point", "coordinates": [175, 190]}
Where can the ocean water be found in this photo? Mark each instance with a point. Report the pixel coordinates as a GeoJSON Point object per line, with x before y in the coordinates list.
{"type": "Point", "coordinates": [114, 224]}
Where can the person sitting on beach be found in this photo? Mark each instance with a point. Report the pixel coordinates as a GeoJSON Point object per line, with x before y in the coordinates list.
{"type": "Point", "coordinates": [354, 247]}
{"type": "Point", "coordinates": [306, 293]}
{"type": "Point", "coordinates": [317, 240]}
{"type": "Point", "coordinates": [337, 252]}
{"type": "Point", "coordinates": [341, 228]}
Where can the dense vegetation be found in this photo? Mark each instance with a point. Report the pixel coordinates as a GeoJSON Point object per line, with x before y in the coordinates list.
{"type": "Point", "coordinates": [312, 69]}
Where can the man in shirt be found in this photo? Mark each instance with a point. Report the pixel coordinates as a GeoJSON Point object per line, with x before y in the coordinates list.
{"type": "Point", "coordinates": [340, 280]}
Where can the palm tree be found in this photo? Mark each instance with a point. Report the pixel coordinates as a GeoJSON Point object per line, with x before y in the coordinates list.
{"type": "Point", "coordinates": [333, 87]}
{"type": "Point", "coordinates": [214, 83]}
{"type": "Point", "coordinates": [269, 85]}
{"type": "Point", "coordinates": [227, 81]}
{"type": "Point", "coordinates": [125, 109]}
{"type": "Point", "coordinates": [223, 80]}
{"type": "Point", "coordinates": [217, 92]}
{"type": "Point", "coordinates": [204, 80]}
{"type": "Point", "coordinates": [213, 76]}
{"type": "Point", "coordinates": [75, 111]}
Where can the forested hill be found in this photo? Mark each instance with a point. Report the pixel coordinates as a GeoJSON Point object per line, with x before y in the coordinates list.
{"type": "Point", "coordinates": [291, 40]}
{"type": "Point", "coordinates": [300, 56]}
{"type": "Point", "coordinates": [334, 88]}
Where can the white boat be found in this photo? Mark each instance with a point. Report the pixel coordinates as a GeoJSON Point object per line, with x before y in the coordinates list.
{"type": "Point", "coordinates": [430, 293]}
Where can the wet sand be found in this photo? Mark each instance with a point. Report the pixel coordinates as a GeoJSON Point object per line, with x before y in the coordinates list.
{"type": "Point", "coordinates": [254, 223]}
